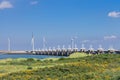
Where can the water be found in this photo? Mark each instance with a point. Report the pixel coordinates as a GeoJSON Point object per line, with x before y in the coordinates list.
{"type": "Point", "coordinates": [5, 56]}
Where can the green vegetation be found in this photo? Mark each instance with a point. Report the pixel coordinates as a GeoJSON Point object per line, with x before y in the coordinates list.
{"type": "Point", "coordinates": [94, 67]}
{"type": "Point", "coordinates": [78, 55]}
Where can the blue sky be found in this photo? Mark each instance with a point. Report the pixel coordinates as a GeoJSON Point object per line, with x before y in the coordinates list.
{"type": "Point", "coordinates": [94, 22]}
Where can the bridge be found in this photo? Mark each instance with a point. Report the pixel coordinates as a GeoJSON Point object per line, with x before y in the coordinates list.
{"type": "Point", "coordinates": [63, 51]}
{"type": "Point", "coordinates": [67, 52]}
{"type": "Point", "coordinates": [59, 53]}
{"type": "Point", "coordinates": [54, 52]}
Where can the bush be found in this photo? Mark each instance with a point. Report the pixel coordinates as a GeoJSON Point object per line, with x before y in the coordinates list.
{"type": "Point", "coordinates": [30, 59]}
{"type": "Point", "coordinates": [38, 60]}
{"type": "Point", "coordinates": [51, 60]}
{"type": "Point", "coordinates": [62, 59]}
{"type": "Point", "coordinates": [29, 67]}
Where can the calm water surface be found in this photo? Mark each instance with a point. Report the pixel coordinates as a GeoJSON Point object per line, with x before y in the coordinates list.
{"type": "Point", "coordinates": [4, 56]}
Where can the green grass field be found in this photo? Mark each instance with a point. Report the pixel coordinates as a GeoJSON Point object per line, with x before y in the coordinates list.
{"type": "Point", "coordinates": [78, 55]}
{"type": "Point", "coordinates": [78, 66]}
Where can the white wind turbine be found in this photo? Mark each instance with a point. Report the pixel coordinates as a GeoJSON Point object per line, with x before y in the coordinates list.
{"type": "Point", "coordinates": [72, 43]}
{"type": "Point", "coordinates": [33, 49]}
{"type": "Point", "coordinates": [8, 44]}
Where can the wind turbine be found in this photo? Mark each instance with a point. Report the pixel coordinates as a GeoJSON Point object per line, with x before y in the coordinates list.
{"type": "Point", "coordinates": [72, 43]}
{"type": "Point", "coordinates": [63, 48]}
{"type": "Point", "coordinates": [32, 42]}
{"type": "Point", "coordinates": [44, 43]}
{"type": "Point", "coordinates": [58, 48]}
{"type": "Point", "coordinates": [75, 40]}
{"type": "Point", "coordinates": [76, 49]}
{"type": "Point", "coordinates": [8, 44]}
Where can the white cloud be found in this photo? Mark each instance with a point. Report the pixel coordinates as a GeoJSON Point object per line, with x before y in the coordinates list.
{"type": "Point", "coordinates": [110, 37]}
{"type": "Point", "coordinates": [34, 2]}
{"type": "Point", "coordinates": [5, 4]}
{"type": "Point", "coordinates": [114, 14]}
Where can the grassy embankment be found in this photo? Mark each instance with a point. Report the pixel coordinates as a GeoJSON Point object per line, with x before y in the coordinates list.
{"type": "Point", "coordinates": [84, 67]}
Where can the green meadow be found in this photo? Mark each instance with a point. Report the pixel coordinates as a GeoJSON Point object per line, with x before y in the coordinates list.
{"type": "Point", "coordinates": [78, 66]}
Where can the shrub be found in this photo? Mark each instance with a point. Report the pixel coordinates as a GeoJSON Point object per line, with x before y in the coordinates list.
{"type": "Point", "coordinates": [30, 59]}
{"type": "Point", "coordinates": [29, 67]}
{"type": "Point", "coordinates": [51, 60]}
{"type": "Point", "coordinates": [38, 60]}
{"type": "Point", "coordinates": [62, 59]}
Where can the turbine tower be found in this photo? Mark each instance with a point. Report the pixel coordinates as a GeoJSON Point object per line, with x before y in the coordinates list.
{"type": "Point", "coordinates": [75, 49]}
{"type": "Point", "coordinates": [44, 43]}
{"type": "Point", "coordinates": [75, 40]}
{"type": "Point", "coordinates": [8, 44]}
{"type": "Point", "coordinates": [33, 42]}
{"type": "Point", "coordinates": [58, 48]}
{"type": "Point", "coordinates": [72, 43]}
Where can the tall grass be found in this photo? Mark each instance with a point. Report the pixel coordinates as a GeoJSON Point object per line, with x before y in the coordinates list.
{"type": "Point", "coordinates": [97, 67]}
